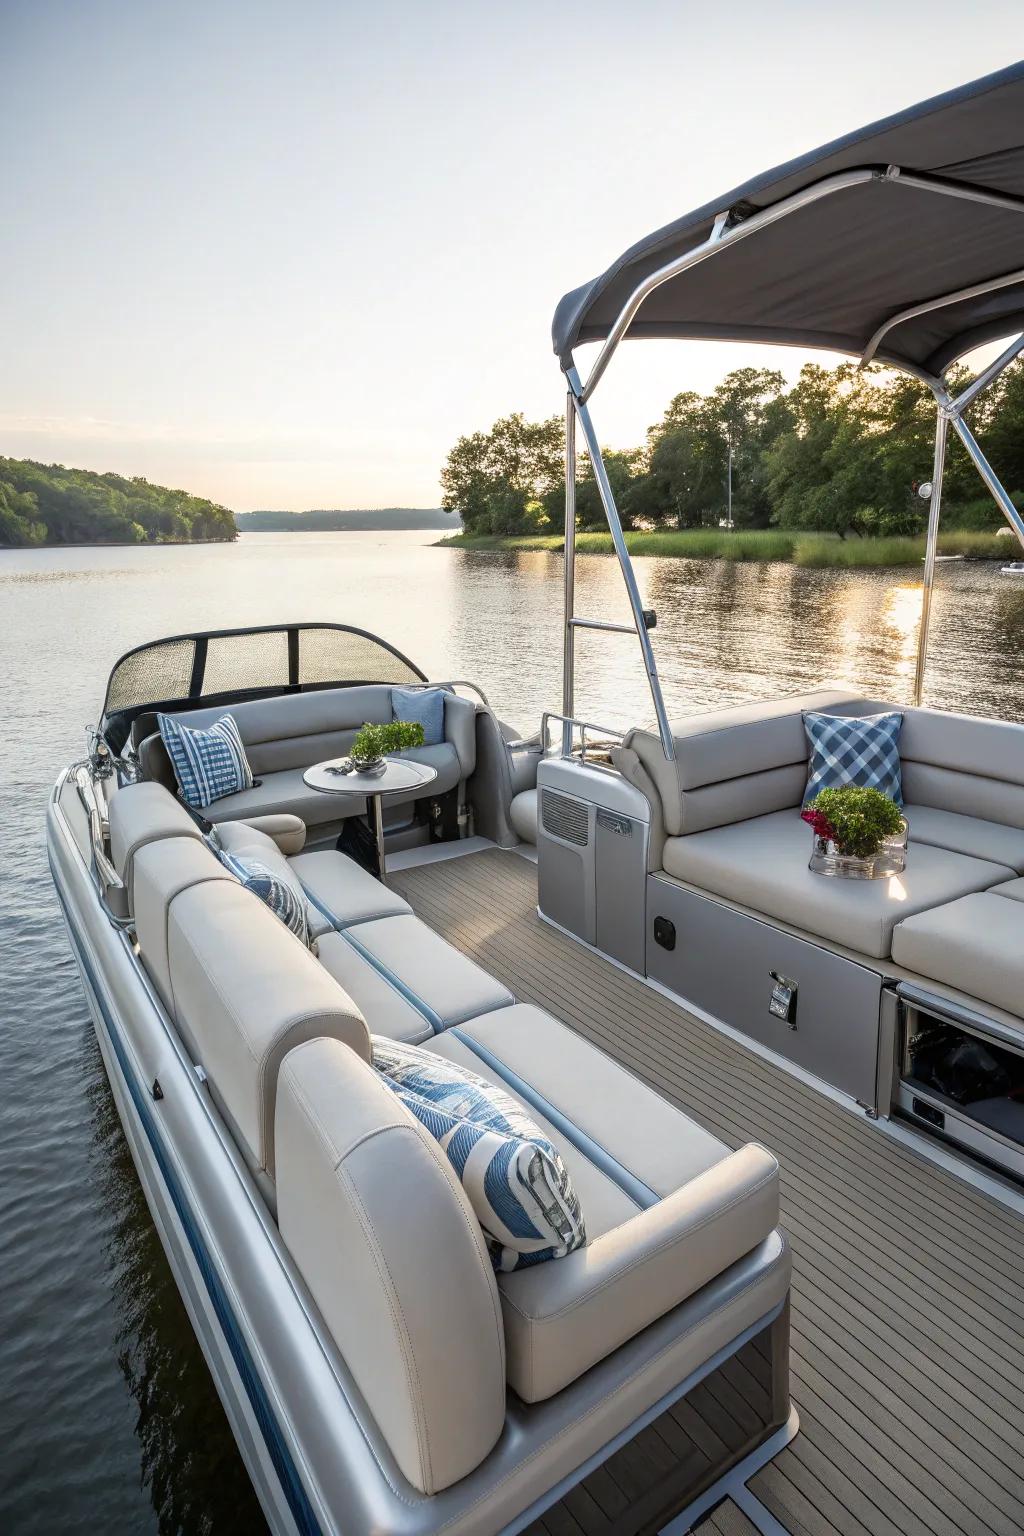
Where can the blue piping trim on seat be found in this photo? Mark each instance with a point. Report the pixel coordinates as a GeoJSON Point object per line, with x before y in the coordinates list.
{"type": "Point", "coordinates": [280, 1455]}
{"type": "Point", "coordinates": [335, 920]}
{"type": "Point", "coordinates": [423, 1009]}
{"type": "Point", "coordinates": [635, 1188]}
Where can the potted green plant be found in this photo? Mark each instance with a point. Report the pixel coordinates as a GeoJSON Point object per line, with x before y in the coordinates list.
{"type": "Point", "coordinates": [859, 834]}
{"type": "Point", "coordinates": [373, 743]}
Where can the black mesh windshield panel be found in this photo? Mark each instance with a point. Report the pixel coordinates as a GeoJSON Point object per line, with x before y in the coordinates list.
{"type": "Point", "coordinates": [239, 663]}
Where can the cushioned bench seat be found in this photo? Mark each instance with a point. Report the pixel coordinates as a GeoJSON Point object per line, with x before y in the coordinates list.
{"type": "Point", "coordinates": [649, 1179]}
{"type": "Point", "coordinates": [668, 1207]}
{"type": "Point", "coordinates": [974, 944]}
{"type": "Point", "coordinates": [429, 984]}
{"type": "Point", "coordinates": [989, 840]}
{"type": "Point", "coordinates": [623, 1146]}
{"type": "Point", "coordinates": [342, 891]}
{"type": "Point", "coordinates": [762, 864]}
{"type": "Point", "coordinates": [285, 735]}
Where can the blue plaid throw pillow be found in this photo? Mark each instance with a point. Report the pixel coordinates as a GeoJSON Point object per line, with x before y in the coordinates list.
{"type": "Point", "coordinates": [207, 764]}
{"type": "Point", "coordinates": [517, 1184]}
{"type": "Point", "coordinates": [862, 751]}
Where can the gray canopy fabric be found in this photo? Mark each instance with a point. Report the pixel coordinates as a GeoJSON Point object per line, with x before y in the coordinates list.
{"type": "Point", "coordinates": [832, 272]}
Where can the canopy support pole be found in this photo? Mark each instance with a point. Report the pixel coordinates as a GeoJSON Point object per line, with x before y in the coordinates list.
{"type": "Point", "coordinates": [951, 411]}
{"type": "Point", "coordinates": [931, 548]}
{"type": "Point", "coordinates": [568, 638]}
{"type": "Point", "coordinates": [642, 620]}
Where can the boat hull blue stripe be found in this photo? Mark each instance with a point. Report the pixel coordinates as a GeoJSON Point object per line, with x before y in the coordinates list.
{"type": "Point", "coordinates": [635, 1188]}
{"type": "Point", "coordinates": [284, 1465]}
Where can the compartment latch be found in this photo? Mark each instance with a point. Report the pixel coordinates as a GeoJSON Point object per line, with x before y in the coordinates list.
{"type": "Point", "coordinates": [782, 1003]}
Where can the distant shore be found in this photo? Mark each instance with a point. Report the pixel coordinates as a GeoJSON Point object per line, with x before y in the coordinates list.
{"type": "Point", "coordinates": [762, 545]}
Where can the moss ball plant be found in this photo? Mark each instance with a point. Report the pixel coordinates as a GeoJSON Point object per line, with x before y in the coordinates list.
{"type": "Point", "coordinates": [857, 820]}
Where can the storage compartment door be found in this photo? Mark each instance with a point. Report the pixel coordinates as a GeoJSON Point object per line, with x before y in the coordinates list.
{"type": "Point", "coordinates": [814, 1007]}
{"type": "Point", "coordinates": [621, 876]}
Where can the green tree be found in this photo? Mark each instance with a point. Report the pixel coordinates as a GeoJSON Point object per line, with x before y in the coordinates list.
{"type": "Point", "coordinates": [499, 482]}
{"type": "Point", "coordinates": [75, 506]}
{"type": "Point", "coordinates": [19, 517]}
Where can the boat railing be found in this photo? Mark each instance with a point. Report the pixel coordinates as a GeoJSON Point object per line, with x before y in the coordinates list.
{"type": "Point", "coordinates": [606, 736]}
{"type": "Point", "coordinates": [109, 885]}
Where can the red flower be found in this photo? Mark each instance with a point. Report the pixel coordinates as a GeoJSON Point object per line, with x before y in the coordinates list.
{"type": "Point", "coordinates": [819, 822]}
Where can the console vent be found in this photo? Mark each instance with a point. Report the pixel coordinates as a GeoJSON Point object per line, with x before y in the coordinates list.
{"type": "Point", "coordinates": [565, 817]}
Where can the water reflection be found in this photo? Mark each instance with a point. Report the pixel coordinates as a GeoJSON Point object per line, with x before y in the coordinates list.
{"type": "Point", "coordinates": [188, 1461]}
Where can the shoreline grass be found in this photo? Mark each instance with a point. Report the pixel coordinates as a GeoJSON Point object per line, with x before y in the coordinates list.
{"type": "Point", "coordinates": [816, 550]}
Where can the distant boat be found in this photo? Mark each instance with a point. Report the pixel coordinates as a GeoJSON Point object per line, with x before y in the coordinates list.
{"type": "Point", "coordinates": [943, 557]}
{"type": "Point", "coordinates": [1015, 568]}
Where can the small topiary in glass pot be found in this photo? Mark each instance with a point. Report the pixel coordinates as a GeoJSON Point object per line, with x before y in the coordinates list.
{"type": "Point", "coordinates": [859, 834]}
{"type": "Point", "coordinates": [374, 742]}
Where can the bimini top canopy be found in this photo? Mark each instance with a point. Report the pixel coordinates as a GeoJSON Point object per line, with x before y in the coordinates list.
{"type": "Point", "coordinates": [904, 241]}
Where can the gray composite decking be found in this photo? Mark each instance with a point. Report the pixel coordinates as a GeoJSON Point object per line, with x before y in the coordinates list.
{"type": "Point", "coordinates": [908, 1285]}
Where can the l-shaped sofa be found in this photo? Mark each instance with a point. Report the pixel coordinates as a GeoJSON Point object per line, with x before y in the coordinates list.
{"type": "Point", "coordinates": [731, 911]}
{"type": "Point", "coordinates": [482, 1396]}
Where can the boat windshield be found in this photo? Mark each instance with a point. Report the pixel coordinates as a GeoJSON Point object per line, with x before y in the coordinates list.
{"type": "Point", "coordinates": [227, 665]}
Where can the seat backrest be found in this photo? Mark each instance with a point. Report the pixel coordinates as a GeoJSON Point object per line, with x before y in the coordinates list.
{"type": "Point", "coordinates": [240, 987]}
{"type": "Point", "coordinates": [959, 763]}
{"type": "Point", "coordinates": [731, 764]}
{"type": "Point", "coordinates": [386, 1240]}
{"type": "Point", "coordinates": [141, 814]}
{"type": "Point", "coordinates": [297, 729]}
{"type": "Point", "coordinates": [162, 870]}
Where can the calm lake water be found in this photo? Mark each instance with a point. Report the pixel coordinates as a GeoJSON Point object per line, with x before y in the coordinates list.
{"type": "Point", "coordinates": [108, 1419]}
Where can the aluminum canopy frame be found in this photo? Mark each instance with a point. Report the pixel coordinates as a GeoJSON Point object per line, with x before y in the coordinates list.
{"type": "Point", "coordinates": [902, 243]}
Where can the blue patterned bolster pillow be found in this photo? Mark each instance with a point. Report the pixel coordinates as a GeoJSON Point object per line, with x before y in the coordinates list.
{"type": "Point", "coordinates": [517, 1184]}
{"type": "Point", "coordinates": [859, 751]}
{"type": "Point", "coordinates": [207, 764]}
{"type": "Point", "coordinates": [285, 900]}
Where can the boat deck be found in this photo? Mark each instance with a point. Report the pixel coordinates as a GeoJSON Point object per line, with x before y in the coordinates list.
{"type": "Point", "coordinates": [908, 1307]}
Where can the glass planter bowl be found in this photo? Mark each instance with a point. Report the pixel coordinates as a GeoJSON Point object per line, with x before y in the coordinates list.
{"type": "Point", "coordinates": [372, 767]}
{"type": "Point", "coordinates": [891, 858]}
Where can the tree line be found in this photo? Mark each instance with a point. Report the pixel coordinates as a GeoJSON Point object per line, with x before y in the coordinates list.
{"type": "Point", "coordinates": [48, 504]}
{"type": "Point", "coordinates": [843, 451]}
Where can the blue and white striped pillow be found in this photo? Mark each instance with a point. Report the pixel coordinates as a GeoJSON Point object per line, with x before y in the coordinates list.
{"type": "Point", "coordinates": [517, 1184]}
{"type": "Point", "coordinates": [207, 764]}
{"type": "Point", "coordinates": [283, 898]}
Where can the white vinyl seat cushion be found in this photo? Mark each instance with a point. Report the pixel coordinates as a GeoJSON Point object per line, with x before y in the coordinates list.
{"type": "Point", "coordinates": [667, 1206]}
{"type": "Point", "coordinates": [436, 980]}
{"type": "Point", "coordinates": [522, 813]}
{"type": "Point", "coordinates": [762, 864]}
{"type": "Point", "coordinates": [989, 840]}
{"type": "Point", "coordinates": [343, 891]}
{"type": "Point", "coordinates": [975, 944]}
{"type": "Point", "coordinates": [377, 998]}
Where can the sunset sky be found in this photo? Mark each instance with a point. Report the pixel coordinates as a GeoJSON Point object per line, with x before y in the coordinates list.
{"type": "Point", "coordinates": [284, 254]}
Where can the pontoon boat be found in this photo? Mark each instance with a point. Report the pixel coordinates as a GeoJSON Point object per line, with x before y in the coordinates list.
{"type": "Point", "coordinates": [622, 933]}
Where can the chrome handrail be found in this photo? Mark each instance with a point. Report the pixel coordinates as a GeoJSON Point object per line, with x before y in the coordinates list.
{"type": "Point", "coordinates": [608, 732]}
{"type": "Point", "coordinates": [105, 877]}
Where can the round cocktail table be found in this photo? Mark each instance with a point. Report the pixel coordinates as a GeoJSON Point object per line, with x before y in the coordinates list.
{"type": "Point", "coordinates": [400, 776]}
